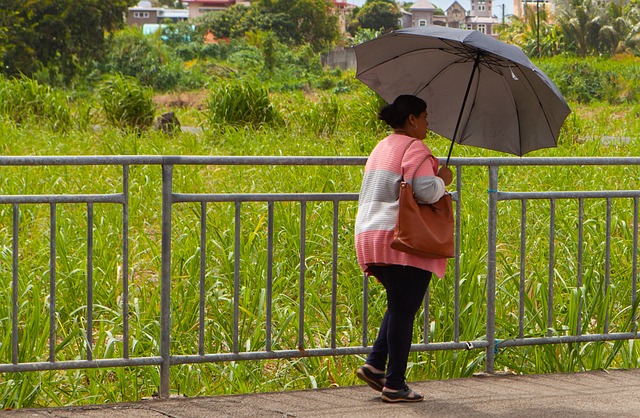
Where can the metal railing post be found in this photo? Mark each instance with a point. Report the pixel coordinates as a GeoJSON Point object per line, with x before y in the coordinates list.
{"type": "Point", "coordinates": [125, 261]}
{"type": "Point", "coordinates": [491, 267]}
{"type": "Point", "coordinates": [165, 298]}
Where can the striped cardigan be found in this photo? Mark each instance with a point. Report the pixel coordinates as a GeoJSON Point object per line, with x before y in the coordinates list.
{"type": "Point", "coordinates": [378, 200]}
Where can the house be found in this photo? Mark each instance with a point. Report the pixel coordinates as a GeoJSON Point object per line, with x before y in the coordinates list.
{"type": "Point", "coordinates": [455, 16]}
{"type": "Point", "coordinates": [144, 14]}
{"type": "Point", "coordinates": [405, 18]}
{"type": "Point", "coordinates": [479, 18]}
{"type": "Point", "coordinates": [197, 8]}
{"type": "Point", "coordinates": [342, 10]}
{"type": "Point", "coordinates": [422, 11]}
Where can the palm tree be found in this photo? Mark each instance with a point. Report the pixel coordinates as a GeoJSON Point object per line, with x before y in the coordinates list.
{"type": "Point", "coordinates": [533, 34]}
{"type": "Point", "coordinates": [598, 27]}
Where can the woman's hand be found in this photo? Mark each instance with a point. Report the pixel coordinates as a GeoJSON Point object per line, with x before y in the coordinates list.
{"type": "Point", "coordinates": [445, 174]}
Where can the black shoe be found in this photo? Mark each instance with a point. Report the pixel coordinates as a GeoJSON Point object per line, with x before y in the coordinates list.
{"type": "Point", "coordinates": [404, 395]}
{"type": "Point", "coordinates": [374, 380]}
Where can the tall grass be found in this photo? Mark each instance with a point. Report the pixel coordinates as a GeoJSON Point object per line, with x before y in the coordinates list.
{"type": "Point", "coordinates": [313, 124]}
{"type": "Point", "coordinates": [241, 103]}
{"type": "Point", "coordinates": [126, 103]}
{"type": "Point", "coordinates": [24, 100]}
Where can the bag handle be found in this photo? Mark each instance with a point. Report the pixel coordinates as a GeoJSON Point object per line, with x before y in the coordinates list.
{"type": "Point", "coordinates": [417, 168]}
{"type": "Point", "coordinates": [419, 165]}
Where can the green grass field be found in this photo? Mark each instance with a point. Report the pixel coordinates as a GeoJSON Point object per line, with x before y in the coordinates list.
{"type": "Point", "coordinates": [311, 124]}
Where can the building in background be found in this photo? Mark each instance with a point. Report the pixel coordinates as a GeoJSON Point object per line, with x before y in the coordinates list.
{"type": "Point", "coordinates": [480, 17]}
{"type": "Point", "coordinates": [519, 6]}
{"type": "Point", "coordinates": [144, 13]}
{"type": "Point", "coordinates": [422, 13]}
{"type": "Point", "coordinates": [342, 10]}
{"type": "Point", "coordinates": [197, 8]}
{"type": "Point", "coordinates": [455, 16]}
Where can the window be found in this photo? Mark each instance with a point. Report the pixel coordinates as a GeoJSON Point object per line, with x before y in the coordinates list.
{"type": "Point", "coordinates": [141, 15]}
{"type": "Point", "coordinates": [422, 22]}
{"type": "Point", "coordinates": [482, 28]}
{"type": "Point", "coordinates": [481, 7]}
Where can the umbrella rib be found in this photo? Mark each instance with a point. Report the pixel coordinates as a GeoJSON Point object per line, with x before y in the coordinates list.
{"type": "Point", "coordinates": [487, 59]}
{"type": "Point", "coordinates": [539, 104]}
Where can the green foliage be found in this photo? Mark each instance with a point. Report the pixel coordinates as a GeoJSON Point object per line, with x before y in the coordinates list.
{"type": "Point", "coordinates": [233, 22]}
{"type": "Point", "coordinates": [379, 15]}
{"type": "Point", "coordinates": [294, 22]}
{"type": "Point", "coordinates": [363, 35]}
{"type": "Point", "coordinates": [147, 59]}
{"type": "Point", "coordinates": [592, 80]}
{"type": "Point", "coordinates": [25, 100]}
{"type": "Point", "coordinates": [319, 118]}
{"type": "Point", "coordinates": [536, 37]}
{"type": "Point", "coordinates": [591, 27]}
{"type": "Point", "coordinates": [126, 103]}
{"type": "Point", "coordinates": [303, 21]}
{"type": "Point", "coordinates": [175, 34]}
{"type": "Point", "coordinates": [268, 47]}
{"type": "Point", "coordinates": [580, 27]}
{"type": "Point", "coordinates": [239, 103]}
{"type": "Point", "coordinates": [63, 35]}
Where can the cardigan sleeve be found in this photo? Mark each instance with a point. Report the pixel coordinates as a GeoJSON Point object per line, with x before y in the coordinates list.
{"type": "Point", "coordinates": [427, 187]}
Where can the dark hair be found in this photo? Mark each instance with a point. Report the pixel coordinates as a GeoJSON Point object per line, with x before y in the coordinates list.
{"type": "Point", "coordinates": [396, 113]}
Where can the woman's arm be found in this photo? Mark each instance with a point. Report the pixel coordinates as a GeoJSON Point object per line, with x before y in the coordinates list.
{"type": "Point", "coordinates": [428, 189]}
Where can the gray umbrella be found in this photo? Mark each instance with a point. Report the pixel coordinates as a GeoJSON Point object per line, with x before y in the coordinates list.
{"type": "Point", "coordinates": [479, 91]}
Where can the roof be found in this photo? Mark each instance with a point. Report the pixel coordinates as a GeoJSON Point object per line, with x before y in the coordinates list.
{"type": "Point", "coordinates": [423, 5]}
{"type": "Point", "coordinates": [455, 4]}
{"type": "Point", "coordinates": [175, 13]}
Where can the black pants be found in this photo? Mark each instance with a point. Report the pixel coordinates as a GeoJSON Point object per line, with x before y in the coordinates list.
{"type": "Point", "coordinates": [406, 287]}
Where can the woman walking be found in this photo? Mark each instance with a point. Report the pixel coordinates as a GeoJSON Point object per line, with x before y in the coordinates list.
{"type": "Point", "coordinates": [405, 277]}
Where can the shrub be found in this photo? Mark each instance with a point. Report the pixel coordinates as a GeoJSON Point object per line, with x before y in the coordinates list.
{"type": "Point", "coordinates": [146, 58]}
{"type": "Point", "coordinates": [239, 103]}
{"type": "Point", "coordinates": [126, 103]}
{"type": "Point", "coordinates": [586, 80]}
{"type": "Point", "coordinates": [25, 99]}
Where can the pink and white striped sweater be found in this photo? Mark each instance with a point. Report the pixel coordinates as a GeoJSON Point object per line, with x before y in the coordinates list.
{"type": "Point", "coordinates": [378, 200]}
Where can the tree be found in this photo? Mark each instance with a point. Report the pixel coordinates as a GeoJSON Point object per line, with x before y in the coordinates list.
{"type": "Point", "coordinates": [379, 15]}
{"type": "Point", "coordinates": [533, 34]}
{"type": "Point", "coordinates": [61, 35]}
{"type": "Point", "coordinates": [304, 21]}
{"type": "Point", "coordinates": [593, 27]}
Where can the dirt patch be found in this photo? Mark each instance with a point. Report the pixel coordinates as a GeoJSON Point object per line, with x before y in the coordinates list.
{"type": "Point", "coordinates": [190, 99]}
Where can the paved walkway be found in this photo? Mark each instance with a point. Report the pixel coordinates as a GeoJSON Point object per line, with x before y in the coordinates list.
{"type": "Point", "coordinates": [591, 394]}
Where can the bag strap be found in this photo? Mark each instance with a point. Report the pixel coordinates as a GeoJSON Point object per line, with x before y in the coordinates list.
{"type": "Point", "coordinates": [419, 165]}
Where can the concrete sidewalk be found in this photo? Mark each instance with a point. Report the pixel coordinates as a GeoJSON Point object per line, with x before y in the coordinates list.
{"type": "Point", "coordinates": [590, 394]}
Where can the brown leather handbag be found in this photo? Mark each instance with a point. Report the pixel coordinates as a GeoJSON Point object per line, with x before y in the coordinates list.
{"type": "Point", "coordinates": [424, 230]}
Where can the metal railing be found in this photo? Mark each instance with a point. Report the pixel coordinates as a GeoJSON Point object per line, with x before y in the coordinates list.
{"type": "Point", "coordinates": [165, 358]}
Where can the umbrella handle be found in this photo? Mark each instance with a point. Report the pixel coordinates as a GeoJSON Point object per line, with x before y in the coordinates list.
{"type": "Point", "coordinates": [464, 102]}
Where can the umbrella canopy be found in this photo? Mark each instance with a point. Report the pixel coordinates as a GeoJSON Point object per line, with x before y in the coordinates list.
{"type": "Point", "coordinates": [479, 91]}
